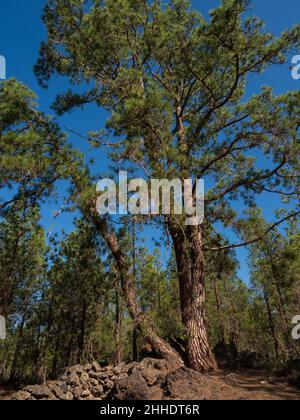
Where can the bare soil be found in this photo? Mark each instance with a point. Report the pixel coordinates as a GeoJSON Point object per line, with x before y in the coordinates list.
{"type": "Point", "coordinates": [253, 385]}
{"type": "Point", "coordinates": [6, 392]}
{"type": "Point", "coordinates": [148, 381]}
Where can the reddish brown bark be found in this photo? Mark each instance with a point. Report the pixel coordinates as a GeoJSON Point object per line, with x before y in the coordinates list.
{"type": "Point", "coordinates": [190, 263]}
{"type": "Point", "coordinates": [118, 324]}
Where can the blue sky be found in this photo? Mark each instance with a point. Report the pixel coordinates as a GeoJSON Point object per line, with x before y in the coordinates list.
{"type": "Point", "coordinates": [21, 31]}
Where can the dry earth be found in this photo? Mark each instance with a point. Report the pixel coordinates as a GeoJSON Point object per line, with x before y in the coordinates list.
{"type": "Point", "coordinates": [154, 379]}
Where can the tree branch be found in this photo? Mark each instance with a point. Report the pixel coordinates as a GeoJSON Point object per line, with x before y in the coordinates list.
{"type": "Point", "coordinates": [259, 238]}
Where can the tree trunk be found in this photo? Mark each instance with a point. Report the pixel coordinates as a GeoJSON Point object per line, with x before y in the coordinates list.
{"type": "Point", "coordinates": [271, 321]}
{"type": "Point", "coordinates": [135, 355]}
{"type": "Point", "coordinates": [7, 297]}
{"type": "Point", "coordinates": [160, 346]}
{"type": "Point", "coordinates": [190, 263]}
{"type": "Point", "coordinates": [14, 367]}
{"type": "Point", "coordinates": [281, 304]}
{"type": "Point", "coordinates": [234, 329]}
{"type": "Point", "coordinates": [218, 303]}
{"type": "Point", "coordinates": [88, 208]}
{"type": "Point", "coordinates": [118, 323]}
{"type": "Point", "coordinates": [81, 338]}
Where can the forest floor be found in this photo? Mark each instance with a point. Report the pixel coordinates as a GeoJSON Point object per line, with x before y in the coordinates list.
{"type": "Point", "coordinates": [255, 385]}
{"type": "Point", "coordinates": [6, 392]}
{"type": "Point", "coordinates": [148, 380]}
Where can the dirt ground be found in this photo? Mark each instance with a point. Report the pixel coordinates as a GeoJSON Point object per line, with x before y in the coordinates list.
{"type": "Point", "coordinates": [5, 393]}
{"type": "Point", "coordinates": [222, 385]}
{"type": "Point", "coordinates": [253, 385]}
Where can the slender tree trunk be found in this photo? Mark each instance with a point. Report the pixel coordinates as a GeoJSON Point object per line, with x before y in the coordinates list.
{"type": "Point", "coordinates": [271, 321]}
{"type": "Point", "coordinates": [118, 323]}
{"type": "Point", "coordinates": [190, 263]}
{"type": "Point", "coordinates": [160, 346]}
{"type": "Point", "coordinates": [81, 340]}
{"type": "Point", "coordinates": [281, 304]}
{"type": "Point", "coordinates": [218, 304]}
{"type": "Point", "coordinates": [88, 207]}
{"type": "Point", "coordinates": [135, 355]}
{"type": "Point", "coordinates": [234, 329]}
{"type": "Point", "coordinates": [298, 298]}
{"type": "Point", "coordinates": [55, 352]}
{"type": "Point", "coordinates": [7, 297]}
{"type": "Point", "coordinates": [14, 367]}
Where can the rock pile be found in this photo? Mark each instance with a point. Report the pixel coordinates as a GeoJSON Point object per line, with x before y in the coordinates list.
{"type": "Point", "coordinates": [92, 382]}
{"type": "Point", "coordinates": [154, 379]}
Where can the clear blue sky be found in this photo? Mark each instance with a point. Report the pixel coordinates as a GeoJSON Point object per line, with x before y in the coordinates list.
{"type": "Point", "coordinates": [21, 31]}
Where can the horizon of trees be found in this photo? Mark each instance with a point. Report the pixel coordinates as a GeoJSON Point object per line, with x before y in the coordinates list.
{"type": "Point", "coordinates": [67, 306]}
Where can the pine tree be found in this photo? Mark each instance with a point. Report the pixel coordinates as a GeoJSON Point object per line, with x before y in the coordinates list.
{"type": "Point", "coordinates": [275, 274]}
{"type": "Point", "coordinates": [22, 267]}
{"type": "Point", "coordinates": [174, 85]}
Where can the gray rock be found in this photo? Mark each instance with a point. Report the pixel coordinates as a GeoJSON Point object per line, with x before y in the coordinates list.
{"type": "Point", "coordinates": [86, 393]}
{"type": "Point", "coordinates": [77, 369]}
{"type": "Point", "coordinates": [94, 375]}
{"type": "Point", "coordinates": [69, 396]}
{"type": "Point", "coordinates": [84, 377]}
{"type": "Point", "coordinates": [134, 387]}
{"type": "Point", "coordinates": [77, 392]}
{"type": "Point", "coordinates": [57, 391]}
{"type": "Point", "coordinates": [21, 396]}
{"type": "Point", "coordinates": [150, 375]}
{"type": "Point", "coordinates": [64, 387]}
{"type": "Point", "coordinates": [118, 369]}
{"type": "Point", "coordinates": [52, 397]}
{"type": "Point", "coordinates": [73, 379]}
{"type": "Point", "coordinates": [29, 388]}
{"type": "Point", "coordinates": [109, 385]}
{"type": "Point", "coordinates": [98, 391]}
{"type": "Point", "coordinates": [41, 391]}
{"type": "Point", "coordinates": [103, 375]}
{"type": "Point", "coordinates": [94, 382]}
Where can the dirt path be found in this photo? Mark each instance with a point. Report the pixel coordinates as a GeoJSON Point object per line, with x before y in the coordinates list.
{"type": "Point", "coordinates": [255, 386]}
{"type": "Point", "coordinates": [185, 384]}
{"type": "Point", "coordinates": [6, 393]}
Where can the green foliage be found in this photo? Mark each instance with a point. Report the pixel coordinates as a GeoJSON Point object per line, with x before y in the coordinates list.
{"type": "Point", "coordinates": [33, 150]}
{"type": "Point", "coordinates": [275, 279]}
{"type": "Point", "coordinates": [174, 85]}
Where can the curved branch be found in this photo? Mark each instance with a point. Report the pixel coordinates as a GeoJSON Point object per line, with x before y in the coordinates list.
{"type": "Point", "coordinates": [259, 238]}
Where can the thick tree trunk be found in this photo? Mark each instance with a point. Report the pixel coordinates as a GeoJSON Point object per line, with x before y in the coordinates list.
{"type": "Point", "coordinates": [190, 262]}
